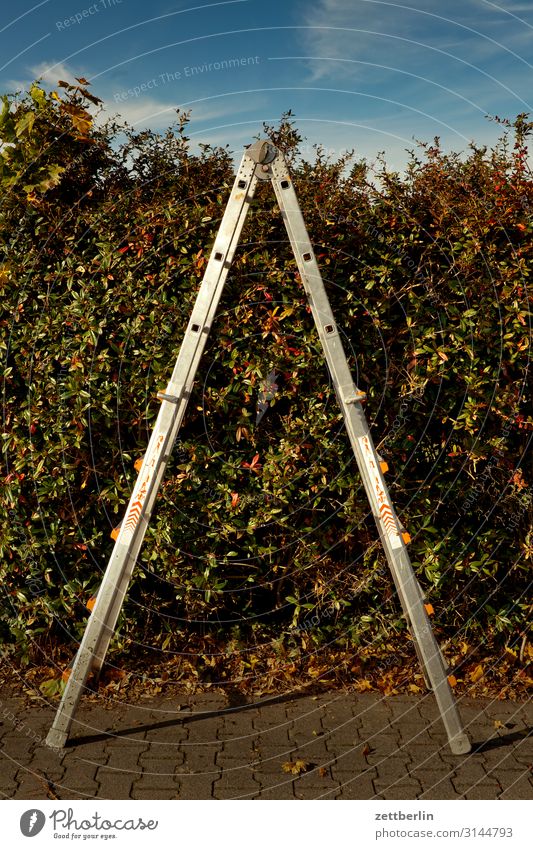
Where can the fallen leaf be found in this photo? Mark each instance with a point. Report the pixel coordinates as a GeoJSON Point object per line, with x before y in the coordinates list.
{"type": "Point", "coordinates": [295, 767]}
{"type": "Point", "coordinates": [452, 680]}
{"type": "Point", "coordinates": [367, 749]}
{"type": "Point", "coordinates": [323, 772]}
{"type": "Point", "coordinates": [429, 609]}
{"type": "Point", "coordinates": [498, 724]}
{"type": "Point", "coordinates": [477, 674]}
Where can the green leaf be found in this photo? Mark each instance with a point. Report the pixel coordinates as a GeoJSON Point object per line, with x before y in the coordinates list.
{"type": "Point", "coordinates": [25, 124]}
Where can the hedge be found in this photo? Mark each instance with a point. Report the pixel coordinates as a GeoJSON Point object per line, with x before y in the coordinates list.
{"type": "Point", "coordinates": [262, 534]}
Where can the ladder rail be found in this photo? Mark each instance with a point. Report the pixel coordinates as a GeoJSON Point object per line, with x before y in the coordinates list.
{"type": "Point", "coordinates": [107, 632]}
{"type": "Point", "coordinates": [110, 597]}
{"type": "Point", "coordinates": [349, 398]}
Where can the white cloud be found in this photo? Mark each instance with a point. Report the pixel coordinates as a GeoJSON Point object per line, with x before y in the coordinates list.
{"type": "Point", "coordinates": [51, 72]}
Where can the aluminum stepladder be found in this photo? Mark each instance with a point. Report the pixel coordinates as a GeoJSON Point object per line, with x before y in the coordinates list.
{"type": "Point", "coordinates": [261, 161]}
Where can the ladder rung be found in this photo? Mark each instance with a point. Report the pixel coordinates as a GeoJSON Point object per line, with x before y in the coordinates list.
{"type": "Point", "coordinates": [174, 399]}
{"type": "Point", "coordinates": [360, 396]}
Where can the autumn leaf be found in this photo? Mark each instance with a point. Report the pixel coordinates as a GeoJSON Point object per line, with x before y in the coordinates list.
{"type": "Point", "coordinates": [429, 609]}
{"type": "Point", "coordinates": [498, 723]}
{"type": "Point", "coordinates": [90, 603]}
{"type": "Point", "coordinates": [296, 767]}
{"type": "Point", "coordinates": [452, 680]}
{"type": "Point", "coordinates": [477, 674]}
{"type": "Point", "coordinates": [510, 655]}
{"type": "Point", "coordinates": [367, 749]}
{"type": "Point", "coordinates": [234, 499]}
{"type": "Point", "coordinates": [323, 772]}
{"type": "Point", "coordinates": [81, 121]}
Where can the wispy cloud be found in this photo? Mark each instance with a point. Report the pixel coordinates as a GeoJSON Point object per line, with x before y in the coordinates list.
{"type": "Point", "coordinates": [51, 72]}
{"type": "Point", "coordinates": [470, 30]}
{"type": "Point", "coordinates": [138, 108]}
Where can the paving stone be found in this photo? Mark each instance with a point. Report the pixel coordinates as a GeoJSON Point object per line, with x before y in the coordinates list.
{"type": "Point", "coordinates": [304, 711]}
{"type": "Point", "coordinates": [228, 760]}
{"type": "Point", "coordinates": [30, 788]}
{"type": "Point", "coordinates": [470, 770]}
{"type": "Point", "coordinates": [315, 791]}
{"type": "Point", "coordinates": [125, 760]}
{"type": "Point", "coordinates": [247, 747]}
{"type": "Point", "coordinates": [204, 730]}
{"type": "Point", "coordinates": [462, 785]}
{"type": "Point", "coordinates": [279, 790]}
{"type": "Point", "coordinates": [271, 716]}
{"type": "Point", "coordinates": [77, 789]}
{"type": "Point", "coordinates": [167, 752]}
{"type": "Point", "coordinates": [356, 786]}
{"type": "Point", "coordinates": [241, 721]}
{"type": "Point", "coordinates": [302, 736]}
{"type": "Point", "coordinates": [382, 783]}
{"type": "Point", "coordinates": [523, 752]}
{"type": "Point", "coordinates": [444, 790]}
{"type": "Point", "coordinates": [521, 789]}
{"type": "Point", "coordinates": [196, 786]}
{"type": "Point", "coordinates": [158, 765]}
{"type": "Point", "coordinates": [386, 748]}
{"type": "Point", "coordinates": [201, 758]}
{"type": "Point", "coordinates": [481, 791]}
{"type": "Point", "coordinates": [394, 768]}
{"type": "Point", "coordinates": [399, 791]}
{"type": "Point", "coordinates": [173, 734]}
{"type": "Point", "coordinates": [234, 786]}
{"type": "Point", "coordinates": [507, 777]}
{"type": "Point", "coordinates": [113, 786]}
{"type": "Point", "coordinates": [272, 765]}
{"type": "Point", "coordinates": [15, 751]}
{"type": "Point", "coordinates": [275, 737]}
{"type": "Point", "coordinates": [431, 778]}
{"type": "Point", "coordinates": [156, 793]}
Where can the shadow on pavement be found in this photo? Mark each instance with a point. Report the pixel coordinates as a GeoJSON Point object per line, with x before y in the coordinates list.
{"type": "Point", "coordinates": [235, 706]}
{"type": "Point", "coordinates": [499, 742]}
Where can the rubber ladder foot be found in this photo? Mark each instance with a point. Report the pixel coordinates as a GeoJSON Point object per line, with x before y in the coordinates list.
{"type": "Point", "coordinates": [460, 744]}
{"type": "Point", "coordinates": [56, 739]}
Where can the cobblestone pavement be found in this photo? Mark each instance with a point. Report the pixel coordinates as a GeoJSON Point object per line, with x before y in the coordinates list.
{"type": "Point", "coordinates": [354, 746]}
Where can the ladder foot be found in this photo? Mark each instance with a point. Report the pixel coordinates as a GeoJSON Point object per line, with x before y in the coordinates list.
{"type": "Point", "coordinates": [56, 739]}
{"type": "Point", "coordinates": [460, 744]}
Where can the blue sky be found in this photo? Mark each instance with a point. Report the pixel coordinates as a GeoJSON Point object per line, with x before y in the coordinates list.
{"type": "Point", "coordinates": [360, 74]}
